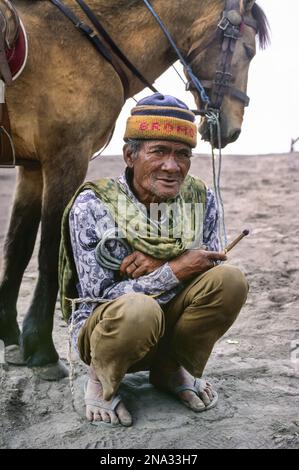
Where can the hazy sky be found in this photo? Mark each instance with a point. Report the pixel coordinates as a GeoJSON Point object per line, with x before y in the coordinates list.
{"type": "Point", "coordinates": [272, 117]}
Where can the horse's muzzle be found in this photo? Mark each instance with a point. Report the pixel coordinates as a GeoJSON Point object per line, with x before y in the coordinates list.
{"type": "Point", "coordinates": [227, 136]}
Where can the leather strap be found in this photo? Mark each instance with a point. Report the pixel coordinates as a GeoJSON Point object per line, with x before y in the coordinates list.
{"type": "Point", "coordinates": [5, 72]}
{"type": "Point", "coordinates": [228, 33]}
{"type": "Point", "coordinates": [232, 91]}
{"type": "Point", "coordinates": [223, 74]}
{"type": "Point", "coordinates": [101, 47]}
{"type": "Point", "coordinates": [196, 50]}
{"type": "Point", "coordinates": [7, 151]}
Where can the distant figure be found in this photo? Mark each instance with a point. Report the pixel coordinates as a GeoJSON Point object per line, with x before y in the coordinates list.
{"type": "Point", "coordinates": [162, 305]}
{"type": "Point", "coordinates": [293, 142]}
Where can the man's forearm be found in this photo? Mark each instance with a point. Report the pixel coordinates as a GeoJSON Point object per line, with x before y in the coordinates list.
{"type": "Point", "coordinates": [156, 283]}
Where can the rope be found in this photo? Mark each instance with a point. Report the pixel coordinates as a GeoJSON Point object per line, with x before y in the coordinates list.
{"type": "Point", "coordinates": [99, 152]}
{"type": "Point", "coordinates": [214, 121]}
{"type": "Point", "coordinates": [70, 347]}
{"type": "Point", "coordinates": [70, 359]}
{"type": "Point", "coordinates": [196, 82]}
{"type": "Point", "coordinates": [104, 256]}
{"type": "Point", "coordinates": [178, 73]}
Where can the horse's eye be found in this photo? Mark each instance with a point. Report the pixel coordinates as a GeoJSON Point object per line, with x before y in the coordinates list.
{"type": "Point", "coordinates": [250, 52]}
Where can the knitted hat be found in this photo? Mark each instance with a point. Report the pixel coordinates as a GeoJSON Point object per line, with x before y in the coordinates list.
{"type": "Point", "coordinates": [162, 117]}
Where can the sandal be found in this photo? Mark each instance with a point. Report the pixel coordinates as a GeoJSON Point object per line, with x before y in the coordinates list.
{"type": "Point", "coordinates": [198, 387]}
{"type": "Point", "coordinates": [102, 404]}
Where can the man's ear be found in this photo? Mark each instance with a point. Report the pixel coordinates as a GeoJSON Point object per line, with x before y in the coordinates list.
{"type": "Point", "coordinates": [248, 4]}
{"type": "Point", "coordinates": [128, 156]}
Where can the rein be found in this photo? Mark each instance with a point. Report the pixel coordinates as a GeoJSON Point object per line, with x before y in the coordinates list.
{"type": "Point", "coordinates": [213, 120]}
{"type": "Point", "coordinates": [229, 31]}
{"type": "Point", "coordinates": [195, 80]}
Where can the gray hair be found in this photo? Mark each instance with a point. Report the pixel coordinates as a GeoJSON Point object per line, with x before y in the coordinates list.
{"type": "Point", "coordinates": [134, 147]}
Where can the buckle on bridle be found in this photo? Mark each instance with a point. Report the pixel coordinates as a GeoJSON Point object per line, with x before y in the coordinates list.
{"type": "Point", "coordinates": [222, 78]}
{"type": "Point", "coordinates": [223, 23]}
{"type": "Point", "coordinates": [231, 18]}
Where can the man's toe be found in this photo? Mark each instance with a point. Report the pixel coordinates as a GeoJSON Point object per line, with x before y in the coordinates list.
{"type": "Point", "coordinates": [126, 420]}
{"type": "Point", "coordinates": [97, 416]}
{"type": "Point", "coordinates": [113, 418]}
{"type": "Point", "coordinates": [209, 392]}
{"type": "Point", "coordinates": [196, 404]}
{"type": "Point", "coordinates": [124, 416]}
{"type": "Point", "coordinates": [89, 414]}
{"type": "Point", "coordinates": [204, 397]}
{"type": "Point", "coordinates": [105, 417]}
{"type": "Point", "coordinates": [192, 400]}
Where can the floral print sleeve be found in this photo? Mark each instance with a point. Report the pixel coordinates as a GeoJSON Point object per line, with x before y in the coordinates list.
{"type": "Point", "coordinates": [210, 229]}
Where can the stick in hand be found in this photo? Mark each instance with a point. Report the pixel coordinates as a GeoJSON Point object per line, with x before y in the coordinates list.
{"type": "Point", "coordinates": [236, 241]}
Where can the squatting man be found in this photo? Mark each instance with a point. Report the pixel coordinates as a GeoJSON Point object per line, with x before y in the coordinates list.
{"type": "Point", "coordinates": [148, 302]}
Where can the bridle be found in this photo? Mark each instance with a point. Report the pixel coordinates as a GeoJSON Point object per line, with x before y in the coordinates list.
{"type": "Point", "coordinates": [229, 30]}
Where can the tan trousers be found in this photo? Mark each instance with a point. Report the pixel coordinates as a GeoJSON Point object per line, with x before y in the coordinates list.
{"type": "Point", "coordinates": [130, 333]}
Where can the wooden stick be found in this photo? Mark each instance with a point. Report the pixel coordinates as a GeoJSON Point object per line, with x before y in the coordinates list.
{"type": "Point", "coordinates": [236, 241]}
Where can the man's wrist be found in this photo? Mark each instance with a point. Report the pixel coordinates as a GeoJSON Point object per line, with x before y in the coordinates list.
{"type": "Point", "coordinates": [180, 271]}
{"type": "Point", "coordinates": [168, 266]}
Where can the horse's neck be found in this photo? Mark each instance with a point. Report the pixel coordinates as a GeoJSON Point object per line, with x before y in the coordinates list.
{"type": "Point", "coordinates": [139, 36]}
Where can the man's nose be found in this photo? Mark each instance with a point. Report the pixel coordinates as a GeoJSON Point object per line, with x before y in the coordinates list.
{"type": "Point", "coordinates": [170, 164]}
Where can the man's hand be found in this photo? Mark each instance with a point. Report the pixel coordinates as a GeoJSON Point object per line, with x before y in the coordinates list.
{"type": "Point", "coordinates": [194, 262]}
{"type": "Point", "coordinates": [138, 264]}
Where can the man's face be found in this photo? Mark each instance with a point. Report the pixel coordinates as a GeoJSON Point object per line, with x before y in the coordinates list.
{"type": "Point", "coordinates": [159, 169]}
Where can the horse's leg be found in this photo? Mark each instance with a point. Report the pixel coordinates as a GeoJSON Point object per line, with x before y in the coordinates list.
{"type": "Point", "coordinates": [18, 249]}
{"type": "Point", "coordinates": [60, 182]}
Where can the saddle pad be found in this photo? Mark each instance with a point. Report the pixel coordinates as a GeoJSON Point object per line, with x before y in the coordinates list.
{"type": "Point", "coordinates": [17, 55]}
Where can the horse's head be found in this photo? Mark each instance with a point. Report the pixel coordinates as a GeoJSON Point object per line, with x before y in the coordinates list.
{"type": "Point", "coordinates": [220, 58]}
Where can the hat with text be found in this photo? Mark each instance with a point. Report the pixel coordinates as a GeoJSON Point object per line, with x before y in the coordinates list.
{"type": "Point", "coordinates": [162, 117]}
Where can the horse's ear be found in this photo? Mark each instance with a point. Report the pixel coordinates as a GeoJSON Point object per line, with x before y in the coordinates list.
{"type": "Point", "coordinates": [248, 4]}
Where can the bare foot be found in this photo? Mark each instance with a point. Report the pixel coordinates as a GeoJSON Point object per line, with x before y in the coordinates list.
{"type": "Point", "coordinates": [95, 414]}
{"type": "Point", "coordinates": [168, 379]}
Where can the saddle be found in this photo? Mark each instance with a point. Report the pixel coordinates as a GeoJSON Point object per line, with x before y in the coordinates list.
{"type": "Point", "coordinates": [13, 55]}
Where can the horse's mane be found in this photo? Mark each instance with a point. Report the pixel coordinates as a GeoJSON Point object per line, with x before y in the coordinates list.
{"type": "Point", "coordinates": [263, 25]}
{"type": "Point", "coordinates": [257, 13]}
{"type": "Point", "coordinates": [109, 7]}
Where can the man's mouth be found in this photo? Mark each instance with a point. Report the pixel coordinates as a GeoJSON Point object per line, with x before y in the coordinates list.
{"type": "Point", "coordinates": [169, 180]}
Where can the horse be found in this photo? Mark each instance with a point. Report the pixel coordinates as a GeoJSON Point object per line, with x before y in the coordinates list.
{"type": "Point", "coordinates": [63, 109]}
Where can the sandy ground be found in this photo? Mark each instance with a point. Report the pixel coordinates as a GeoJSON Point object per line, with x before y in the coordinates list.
{"type": "Point", "coordinates": [252, 367]}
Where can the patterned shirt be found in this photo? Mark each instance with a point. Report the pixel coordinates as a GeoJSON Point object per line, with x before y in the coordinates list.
{"type": "Point", "coordinates": [89, 219]}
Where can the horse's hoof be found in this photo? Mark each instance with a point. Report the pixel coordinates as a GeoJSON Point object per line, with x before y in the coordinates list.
{"type": "Point", "coordinates": [14, 356]}
{"type": "Point", "coordinates": [51, 372]}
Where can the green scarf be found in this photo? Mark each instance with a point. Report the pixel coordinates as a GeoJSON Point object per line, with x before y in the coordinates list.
{"type": "Point", "coordinates": [152, 237]}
